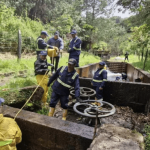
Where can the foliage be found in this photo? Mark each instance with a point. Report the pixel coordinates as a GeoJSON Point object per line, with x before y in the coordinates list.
{"type": "Point", "coordinates": [10, 24]}
{"type": "Point", "coordinates": [100, 46]}
{"type": "Point", "coordinates": [63, 24]}
{"type": "Point", "coordinates": [140, 42]}
{"type": "Point", "coordinates": [147, 139]}
{"type": "Point", "coordinates": [84, 16]}
{"type": "Point", "coordinates": [43, 111]}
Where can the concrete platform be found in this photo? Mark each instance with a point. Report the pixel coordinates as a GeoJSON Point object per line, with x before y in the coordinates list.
{"type": "Point", "coordinates": [47, 133]}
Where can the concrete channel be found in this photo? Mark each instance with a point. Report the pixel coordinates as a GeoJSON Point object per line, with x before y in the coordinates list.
{"type": "Point", "coordinates": [133, 94]}
{"type": "Point", "coordinates": [41, 132]}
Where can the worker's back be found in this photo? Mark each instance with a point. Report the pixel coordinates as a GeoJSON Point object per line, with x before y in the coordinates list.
{"type": "Point", "coordinates": [10, 133]}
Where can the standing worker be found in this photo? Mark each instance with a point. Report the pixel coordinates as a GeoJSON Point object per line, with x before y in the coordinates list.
{"type": "Point", "coordinates": [66, 77]}
{"type": "Point", "coordinates": [126, 56]}
{"type": "Point", "coordinates": [75, 47]}
{"type": "Point", "coordinates": [99, 79]}
{"type": "Point", "coordinates": [41, 71]}
{"type": "Point", "coordinates": [10, 133]}
{"type": "Point", "coordinates": [41, 45]}
{"type": "Point", "coordinates": [57, 42]}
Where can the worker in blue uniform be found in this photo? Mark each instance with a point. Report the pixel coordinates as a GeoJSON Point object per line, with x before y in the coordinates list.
{"type": "Point", "coordinates": [57, 42]}
{"type": "Point", "coordinates": [99, 80]}
{"type": "Point", "coordinates": [65, 78]}
{"type": "Point", "coordinates": [41, 45]}
{"type": "Point", "coordinates": [41, 73]}
{"type": "Point", "coordinates": [75, 47]}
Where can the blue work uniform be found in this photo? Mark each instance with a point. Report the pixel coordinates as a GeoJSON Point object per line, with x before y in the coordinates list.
{"type": "Point", "coordinates": [56, 42]}
{"type": "Point", "coordinates": [75, 49]}
{"type": "Point", "coordinates": [41, 45]}
{"type": "Point", "coordinates": [60, 45]}
{"type": "Point", "coordinates": [99, 79]}
{"type": "Point", "coordinates": [61, 87]}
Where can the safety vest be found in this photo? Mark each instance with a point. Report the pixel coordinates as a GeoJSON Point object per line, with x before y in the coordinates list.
{"type": "Point", "coordinates": [100, 80]}
{"type": "Point", "coordinates": [38, 46]}
{"type": "Point", "coordinates": [7, 142]}
{"type": "Point", "coordinates": [64, 84]}
{"type": "Point", "coordinates": [75, 47]}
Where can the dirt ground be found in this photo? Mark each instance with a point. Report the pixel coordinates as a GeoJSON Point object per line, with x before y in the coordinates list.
{"type": "Point", "coordinates": [124, 117]}
{"type": "Point", "coordinates": [8, 55]}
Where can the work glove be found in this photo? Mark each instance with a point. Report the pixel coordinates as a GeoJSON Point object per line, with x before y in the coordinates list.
{"type": "Point", "coordinates": [50, 65]}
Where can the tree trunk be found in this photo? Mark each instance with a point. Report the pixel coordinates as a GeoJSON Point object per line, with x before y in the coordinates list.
{"type": "Point", "coordinates": [145, 59]}
{"type": "Point", "coordinates": [93, 12]}
{"type": "Point", "coordinates": [142, 56]}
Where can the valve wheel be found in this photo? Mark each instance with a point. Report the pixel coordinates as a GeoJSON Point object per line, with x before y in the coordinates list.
{"type": "Point", "coordinates": [84, 92]}
{"type": "Point", "coordinates": [91, 109]}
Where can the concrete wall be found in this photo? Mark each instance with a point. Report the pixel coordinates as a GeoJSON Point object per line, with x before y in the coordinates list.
{"type": "Point", "coordinates": [41, 132]}
{"type": "Point", "coordinates": [116, 67]}
{"type": "Point", "coordinates": [134, 95]}
{"type": "Point", "coordinates": [134, 73]}
{"type": "Point", "coordinates": [88, 70]}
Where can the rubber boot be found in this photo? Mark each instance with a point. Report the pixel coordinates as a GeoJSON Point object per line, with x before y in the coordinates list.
{"type": "Point", "coordinates": [51, 111]}
{"type": "Point", "coordinates": [64, 114]}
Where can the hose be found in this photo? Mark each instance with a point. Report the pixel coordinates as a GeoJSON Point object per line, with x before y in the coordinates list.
{"type": "Point", "coordinates": [32, 94]}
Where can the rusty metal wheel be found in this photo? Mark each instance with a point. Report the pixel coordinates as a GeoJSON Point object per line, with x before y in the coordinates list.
{"type": "Point", "coordinates": [84, 92]}
{"type": "Point", "coordinates": [103, 108]}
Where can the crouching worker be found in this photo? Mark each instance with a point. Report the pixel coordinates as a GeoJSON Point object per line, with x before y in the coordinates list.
{"type": "Point", "coordinates": [10, 133]}
{"type": "Point", "coordinates": [66, 77]}
{"type": "Point", "coordinates": [41, 73]}
{"type": "Point", "coordinates": [99, 79]}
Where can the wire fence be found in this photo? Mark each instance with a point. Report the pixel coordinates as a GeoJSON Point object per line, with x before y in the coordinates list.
{"type": "Point", "coordinates": [8, 43]}
{"type": "Point", "coordinates": [16, 44]}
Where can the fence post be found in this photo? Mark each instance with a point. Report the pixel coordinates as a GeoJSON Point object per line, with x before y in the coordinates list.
{"type": "Point", "coordinates": [19, 46]}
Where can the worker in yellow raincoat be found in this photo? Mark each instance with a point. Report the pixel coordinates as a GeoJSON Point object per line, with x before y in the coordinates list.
{"type": "Point", "coordinates": [41, 71]}
{"type": "Point", "coordinates": [10, 133]}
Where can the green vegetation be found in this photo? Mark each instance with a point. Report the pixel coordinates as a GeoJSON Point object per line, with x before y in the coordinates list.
{"type": "Point", "coordinates": [28, 77]}
{"type": "Point", "coordinates": [94, 25]}
{"type": "Point", "coordinates": [147, 139]}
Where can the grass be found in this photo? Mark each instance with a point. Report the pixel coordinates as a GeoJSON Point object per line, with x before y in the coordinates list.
{"type": "Point", "coordinates": [134, 60]}
{"type": "Point", "coordinates": [10, 64]}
